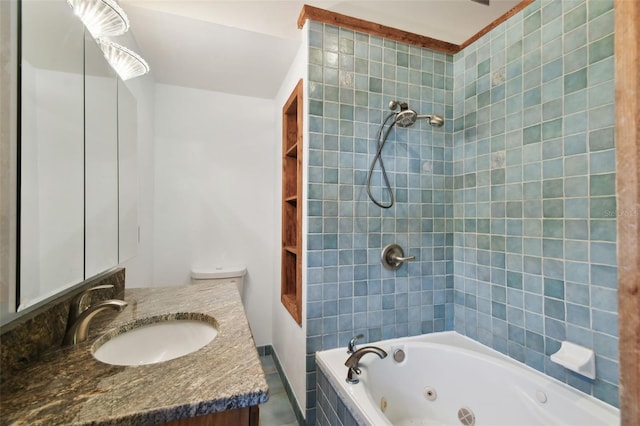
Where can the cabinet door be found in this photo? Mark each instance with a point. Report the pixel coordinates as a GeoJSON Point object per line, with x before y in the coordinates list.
{"type": "Point", "coordinates": [127, 173]}
{"type": "Point", "coordinates": [51, 150]}
{"type": "Point", "coordinates": [101, 161]}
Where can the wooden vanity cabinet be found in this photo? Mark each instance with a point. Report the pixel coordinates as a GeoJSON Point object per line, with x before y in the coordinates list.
{"type": "Point", "coordinates": [247, 416]}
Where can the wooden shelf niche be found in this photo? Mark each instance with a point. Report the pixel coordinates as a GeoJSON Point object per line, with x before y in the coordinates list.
{"type": "Point", "coordinates": [291, 272]}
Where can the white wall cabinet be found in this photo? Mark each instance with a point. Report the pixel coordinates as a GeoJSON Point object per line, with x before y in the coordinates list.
{"type": "Point", "coordinates": [51, 150]}
{"type": "Point", "coordinates": [77, 156]}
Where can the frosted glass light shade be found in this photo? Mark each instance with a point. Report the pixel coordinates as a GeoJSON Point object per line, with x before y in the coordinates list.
{"type": "Point", "coordinates": [101, 17]}
{"type": "Point", "coordinates": [127, 63]}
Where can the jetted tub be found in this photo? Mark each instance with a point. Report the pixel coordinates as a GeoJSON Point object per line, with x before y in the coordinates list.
{"type": "Point", "coordinates": [449, 379]}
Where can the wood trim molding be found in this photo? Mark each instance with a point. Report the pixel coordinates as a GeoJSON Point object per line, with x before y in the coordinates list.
{"type": "Point", "coordinates": [344, 21]}
{"type": "Point", "coordinates": [368, 27]}
{"type": "Point", "coordinates": [517, 8]}
{"type": "Point", "coordinates": [627, 80]}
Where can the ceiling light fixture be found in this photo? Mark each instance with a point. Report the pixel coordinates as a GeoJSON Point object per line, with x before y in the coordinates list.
{"type": "Point", "coordinates": [127, 63]}
{"type": "Point", "coordinates": [101, 17]}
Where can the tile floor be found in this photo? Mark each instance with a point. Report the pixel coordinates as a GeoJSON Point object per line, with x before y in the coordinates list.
{"type": "Point", "coordinates": [277, 411]}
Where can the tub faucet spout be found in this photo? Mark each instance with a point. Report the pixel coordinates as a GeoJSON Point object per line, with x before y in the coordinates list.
{"type": "Point", "coordinates": [353, 361]}
{"type": "Point", "coordinates": [351, 348]}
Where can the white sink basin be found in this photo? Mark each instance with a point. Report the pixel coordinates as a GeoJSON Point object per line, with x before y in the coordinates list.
{"type": "Point", "coordinates": [154, 340]}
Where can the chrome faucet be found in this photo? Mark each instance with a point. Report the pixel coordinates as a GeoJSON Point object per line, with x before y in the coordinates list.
{"type": "Point", "coordinates": [78, 329]}
{"type": "Point", "coordinates": [81, 302]}
{"type": "Point", "coordinates": [351, 347]}
{"type": "Point", "coordinates": [353, 361]}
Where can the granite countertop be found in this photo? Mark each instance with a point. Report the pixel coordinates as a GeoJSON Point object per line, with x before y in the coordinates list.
{"type": "Point", "coordinates": [68, 386]}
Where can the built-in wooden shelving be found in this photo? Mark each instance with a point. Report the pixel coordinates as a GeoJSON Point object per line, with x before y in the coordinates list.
{"type": "Point", "coordinates": [291, 280]}
{"type": "Point", "coordinates": [293, 200]}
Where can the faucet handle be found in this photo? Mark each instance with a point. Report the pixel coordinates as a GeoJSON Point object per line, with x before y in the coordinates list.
{"type": "Point", "coordinates": [351, 348]}
{"type": "Point", "coordinates": [79, 304]}
{"type": "Point", "coordinates": [393, 257]}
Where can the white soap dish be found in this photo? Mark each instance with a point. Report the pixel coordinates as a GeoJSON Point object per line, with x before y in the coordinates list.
{"type": "Point", "coordinates": [576, 358]}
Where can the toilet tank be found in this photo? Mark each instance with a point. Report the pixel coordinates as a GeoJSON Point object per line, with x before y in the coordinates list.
{"type": "Point", "coordinates": [219, 275]}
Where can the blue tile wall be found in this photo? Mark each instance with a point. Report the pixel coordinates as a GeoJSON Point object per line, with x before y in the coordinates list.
{"type": "Point", "coordinates": [534, 189]}
{"type": "Point", "coordinates": [352, 78]}
{"type": "Point", "coordinates": [509, 208]}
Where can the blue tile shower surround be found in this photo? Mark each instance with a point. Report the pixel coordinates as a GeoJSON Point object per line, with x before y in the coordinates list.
{"type": "Point", "coordinates": [352, 78]}
{"type": "Point", "coordinates": [534, 189]}
{"type": "Point", "coordinates": [509, 208]}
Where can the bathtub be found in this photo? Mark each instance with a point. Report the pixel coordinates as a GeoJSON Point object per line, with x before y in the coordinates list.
{"type": "Point", "coordinates": [449, 379]}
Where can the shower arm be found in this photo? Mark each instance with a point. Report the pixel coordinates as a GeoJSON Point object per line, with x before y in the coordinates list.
{"type": "Point", "coordinates": [428, 117]}
{"type": "Point", "coordinates": [424, 116]}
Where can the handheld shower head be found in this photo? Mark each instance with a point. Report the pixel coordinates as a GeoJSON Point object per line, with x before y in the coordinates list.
{"type": "Point", "coordinates": [406, 118]}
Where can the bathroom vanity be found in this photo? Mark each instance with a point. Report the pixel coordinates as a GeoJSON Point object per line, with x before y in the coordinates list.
{"type": "Point", "coordinates": [220, 384]}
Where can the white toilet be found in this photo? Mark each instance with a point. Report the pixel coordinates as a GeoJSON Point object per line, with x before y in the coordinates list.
{"type": "Point", "coordinates": [219, 275]}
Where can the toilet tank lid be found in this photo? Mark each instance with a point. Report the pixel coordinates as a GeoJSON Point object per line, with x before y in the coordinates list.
{"type": "Point", "coordinates": [204, 274]}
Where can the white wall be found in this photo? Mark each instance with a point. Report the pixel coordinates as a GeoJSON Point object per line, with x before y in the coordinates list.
{"type": "Point", "coordinates": [210, 183]}
{"type": "Point", "coordinates": [289, 341]}
{"type": "Point", "coordinates": [140, 268]}
{"type": "Point", "coordinates": [215, 186]}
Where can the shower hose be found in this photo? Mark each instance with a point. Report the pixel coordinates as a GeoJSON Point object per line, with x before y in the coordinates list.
{"type": "Point", "coordinates": [381, 140]}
